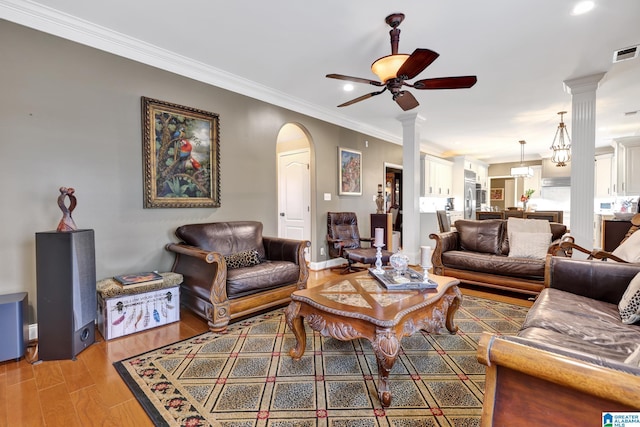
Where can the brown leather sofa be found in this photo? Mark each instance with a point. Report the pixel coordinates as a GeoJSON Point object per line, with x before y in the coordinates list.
{"type": "Point", "coordinates": [569, 362]}
{"type": "Point", "coordinates": [266, 269]}
{"type": "Point", "coordinates": [476, 252]}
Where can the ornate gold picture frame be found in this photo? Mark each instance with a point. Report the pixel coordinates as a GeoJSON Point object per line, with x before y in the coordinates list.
{"type": "Point", "coordinates": [181, 155]}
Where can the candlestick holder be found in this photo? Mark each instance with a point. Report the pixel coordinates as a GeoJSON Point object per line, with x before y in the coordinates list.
{"type": "Point", "coordinates": [378, 264]}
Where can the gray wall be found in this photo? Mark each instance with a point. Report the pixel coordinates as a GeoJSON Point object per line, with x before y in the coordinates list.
{"type": "Point", "coordinates": [70, 116]}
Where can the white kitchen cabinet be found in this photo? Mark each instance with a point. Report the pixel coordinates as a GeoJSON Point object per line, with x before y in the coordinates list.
{"type": "Point", "coordinates": [437, 177]}
{"type": "Point", "coordinates": [481, 169]}
{"type": "Point", "coordinates": [603, 176]}
{"type": "Point", "coordinates": [628, 161]}
{"type": "Point", "coordinates": [482, 175]}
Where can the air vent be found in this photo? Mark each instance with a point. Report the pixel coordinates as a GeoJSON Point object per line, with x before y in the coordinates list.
{"type": "Point", "coordinates": [626, 53]}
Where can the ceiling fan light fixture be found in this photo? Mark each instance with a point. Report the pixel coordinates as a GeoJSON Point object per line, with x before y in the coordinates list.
{"type": "Point", "coordinates": [387, 67]}
{"type": "Point", "coordinates": [561, 149]}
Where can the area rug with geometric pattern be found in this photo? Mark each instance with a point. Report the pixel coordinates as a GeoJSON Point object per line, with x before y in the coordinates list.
{"type": "Point", "coordinates": [245, 377]}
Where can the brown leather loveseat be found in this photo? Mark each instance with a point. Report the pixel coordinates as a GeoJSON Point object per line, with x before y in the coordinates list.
{"type": "Point", "coordinates": [574, 358]}
{"type": "Point", "coordinates": [478, 252]}
{"type": "Point", "coordinates": [231, 270]}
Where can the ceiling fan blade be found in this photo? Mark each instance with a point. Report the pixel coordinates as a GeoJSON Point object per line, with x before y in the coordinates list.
{"type": "Point", "coordinates": [461, 82]}
{"type": "Point", "coordinates": [362, 98]}
{"type": "Point", "coordinates": [354, 79]}
{"type": "Point", "coordinates": [416, 63]}
{"type": "Point", "coordinates": [405, 100]}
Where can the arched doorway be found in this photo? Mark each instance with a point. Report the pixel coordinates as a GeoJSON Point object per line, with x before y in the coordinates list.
{"type": "Point", "coordinates": [293, 150]}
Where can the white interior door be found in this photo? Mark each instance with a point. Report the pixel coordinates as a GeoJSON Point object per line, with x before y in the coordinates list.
{"type": "Point", "coordinates": [294, 200]}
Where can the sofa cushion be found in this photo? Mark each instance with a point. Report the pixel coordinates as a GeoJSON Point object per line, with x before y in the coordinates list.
{"type": "Point", "coordinates": [575, 319]}
{"type": "Point", "coordinates": [574, 348]}
{"type": "Point", "coordinates": [629, 250]}
{"type": "Point", "coordinates": [242, 259]}
{"type": "Point", "coordinates": [629, 305]}
{"type": "Point", "coordinates": [224, 237]}
{"type": "Point", "coordinates": [264, 276]}
{"type": "Point", "coordinates": [480, 236]}
{"type": "Point", "coordinates": [529, 245]}
{"type": "Point", "coordinates": [526, 268]}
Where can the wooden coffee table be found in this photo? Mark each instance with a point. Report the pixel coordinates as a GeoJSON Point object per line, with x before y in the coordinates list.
{"type": "Point", "coordinates": [358, 306]}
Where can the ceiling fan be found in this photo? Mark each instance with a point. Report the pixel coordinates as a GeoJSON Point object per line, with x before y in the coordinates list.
{"type": "Point", "coordinates": [393, 71]}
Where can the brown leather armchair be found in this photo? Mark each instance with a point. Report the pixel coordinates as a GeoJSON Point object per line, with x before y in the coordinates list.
{"type": "Point", "coordinates": [343, 233]}
{"type": "Point", "coordinates": [345, 241]}
{"type": "Point", "coordinates": [267, 269]}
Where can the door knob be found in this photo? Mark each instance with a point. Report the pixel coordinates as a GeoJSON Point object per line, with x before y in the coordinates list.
{"type": "Point", "coordinates": [281, 213]}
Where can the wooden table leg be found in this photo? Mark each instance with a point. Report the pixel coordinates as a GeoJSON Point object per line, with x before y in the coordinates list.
{"type": "Point", "coordinates": [453, 308]}
{"type": "Point", "coordinates": [294, 320]}
{"type": "Point", "coordinates": [386, 347]}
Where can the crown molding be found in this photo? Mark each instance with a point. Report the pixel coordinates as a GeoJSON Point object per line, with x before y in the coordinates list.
{"type": "Point", "coordinates": [42, 18]}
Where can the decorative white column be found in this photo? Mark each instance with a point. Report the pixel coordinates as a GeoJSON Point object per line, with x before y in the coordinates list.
{"type": "Point", "coordinates": [583, 143]}
{"type": "Point", "coordinates": [411, 123]}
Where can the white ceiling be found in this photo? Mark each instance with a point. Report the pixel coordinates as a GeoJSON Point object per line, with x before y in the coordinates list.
{"type": "Point", "coordinates": [280, 51]}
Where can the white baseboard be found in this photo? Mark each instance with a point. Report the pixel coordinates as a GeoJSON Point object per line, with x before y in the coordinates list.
{"type": "Point", "coordinates": [323, 265]}
{"type": "Point", "coordinates": [33, 331]}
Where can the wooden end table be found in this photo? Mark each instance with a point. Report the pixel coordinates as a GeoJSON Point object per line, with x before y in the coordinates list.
{"type": "Point", "coordinates": [358, 306]}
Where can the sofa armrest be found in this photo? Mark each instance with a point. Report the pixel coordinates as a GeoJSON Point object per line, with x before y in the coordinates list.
{"type": "Point", "coordinates": [201, 269]}
{"type": "Point", "coordinates": [600, 280]}
{"type": "Point", "coordinates": [447, 241]}
{"type": "Point", "coordinates": [556, 248]}
{"type": "Point", "coordinates": [581, 391]}
{"type": "Point", "coordinates": [278, 249]}
{"type": "Point", "coordinates": [569, 246]}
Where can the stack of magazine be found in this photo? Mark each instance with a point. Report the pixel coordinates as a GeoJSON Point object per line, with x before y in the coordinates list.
{"type": "Point", "coordinates": [410, 279]}
{"type": "Point", "coordinates": [138, 279]}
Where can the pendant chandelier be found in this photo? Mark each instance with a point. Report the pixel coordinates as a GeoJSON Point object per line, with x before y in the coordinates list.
{"type": "Point", "coordinates": [522, 170]}
{"type": "Point", "coordinates": [561, 149]}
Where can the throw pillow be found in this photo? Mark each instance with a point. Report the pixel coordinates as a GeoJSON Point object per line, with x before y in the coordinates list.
{"type": "Point", "coordinates": [629, 250]}
{"type": "Point", "coordinates": [522, 225]}
{"type": "Point", "coordinates": [629, 305]}
{"type": "Point", "coordinates": [529, 245]}
{"type": "Point", "coordinates": [242, 259]}
{"type": "Point", "coordinates": [634, 358]}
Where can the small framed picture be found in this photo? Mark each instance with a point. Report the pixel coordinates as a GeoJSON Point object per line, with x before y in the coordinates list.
{"type": "Point", "coordinates": [497, 194]}
{"type": "Point", "coordinates": [349, 172]}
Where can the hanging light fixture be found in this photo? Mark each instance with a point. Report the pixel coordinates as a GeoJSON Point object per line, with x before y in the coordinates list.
{"type": "Point", "coordinates": [522, 170]}
{"type": "Point", "coordinates": [561, 149]}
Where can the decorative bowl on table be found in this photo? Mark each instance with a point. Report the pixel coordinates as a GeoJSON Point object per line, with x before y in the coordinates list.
{"type": "Point", "coordinates": [399, 262]}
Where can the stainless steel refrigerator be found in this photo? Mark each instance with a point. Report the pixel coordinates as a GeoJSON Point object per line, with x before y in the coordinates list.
{"type": "Point", "coordinates": [469, 194]}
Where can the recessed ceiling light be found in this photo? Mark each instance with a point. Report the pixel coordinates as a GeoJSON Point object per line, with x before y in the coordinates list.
{"type": "Point", "coordinates": [348, 87]}
{"type": "Point", "coordinates": [582, 7]}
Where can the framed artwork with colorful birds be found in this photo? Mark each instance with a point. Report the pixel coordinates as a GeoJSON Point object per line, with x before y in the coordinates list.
{"type": "Point", "coordinates": [181, 154]}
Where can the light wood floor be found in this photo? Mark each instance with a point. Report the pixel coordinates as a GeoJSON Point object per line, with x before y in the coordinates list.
{"type": "Point", "coordinates": [88, 391]}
